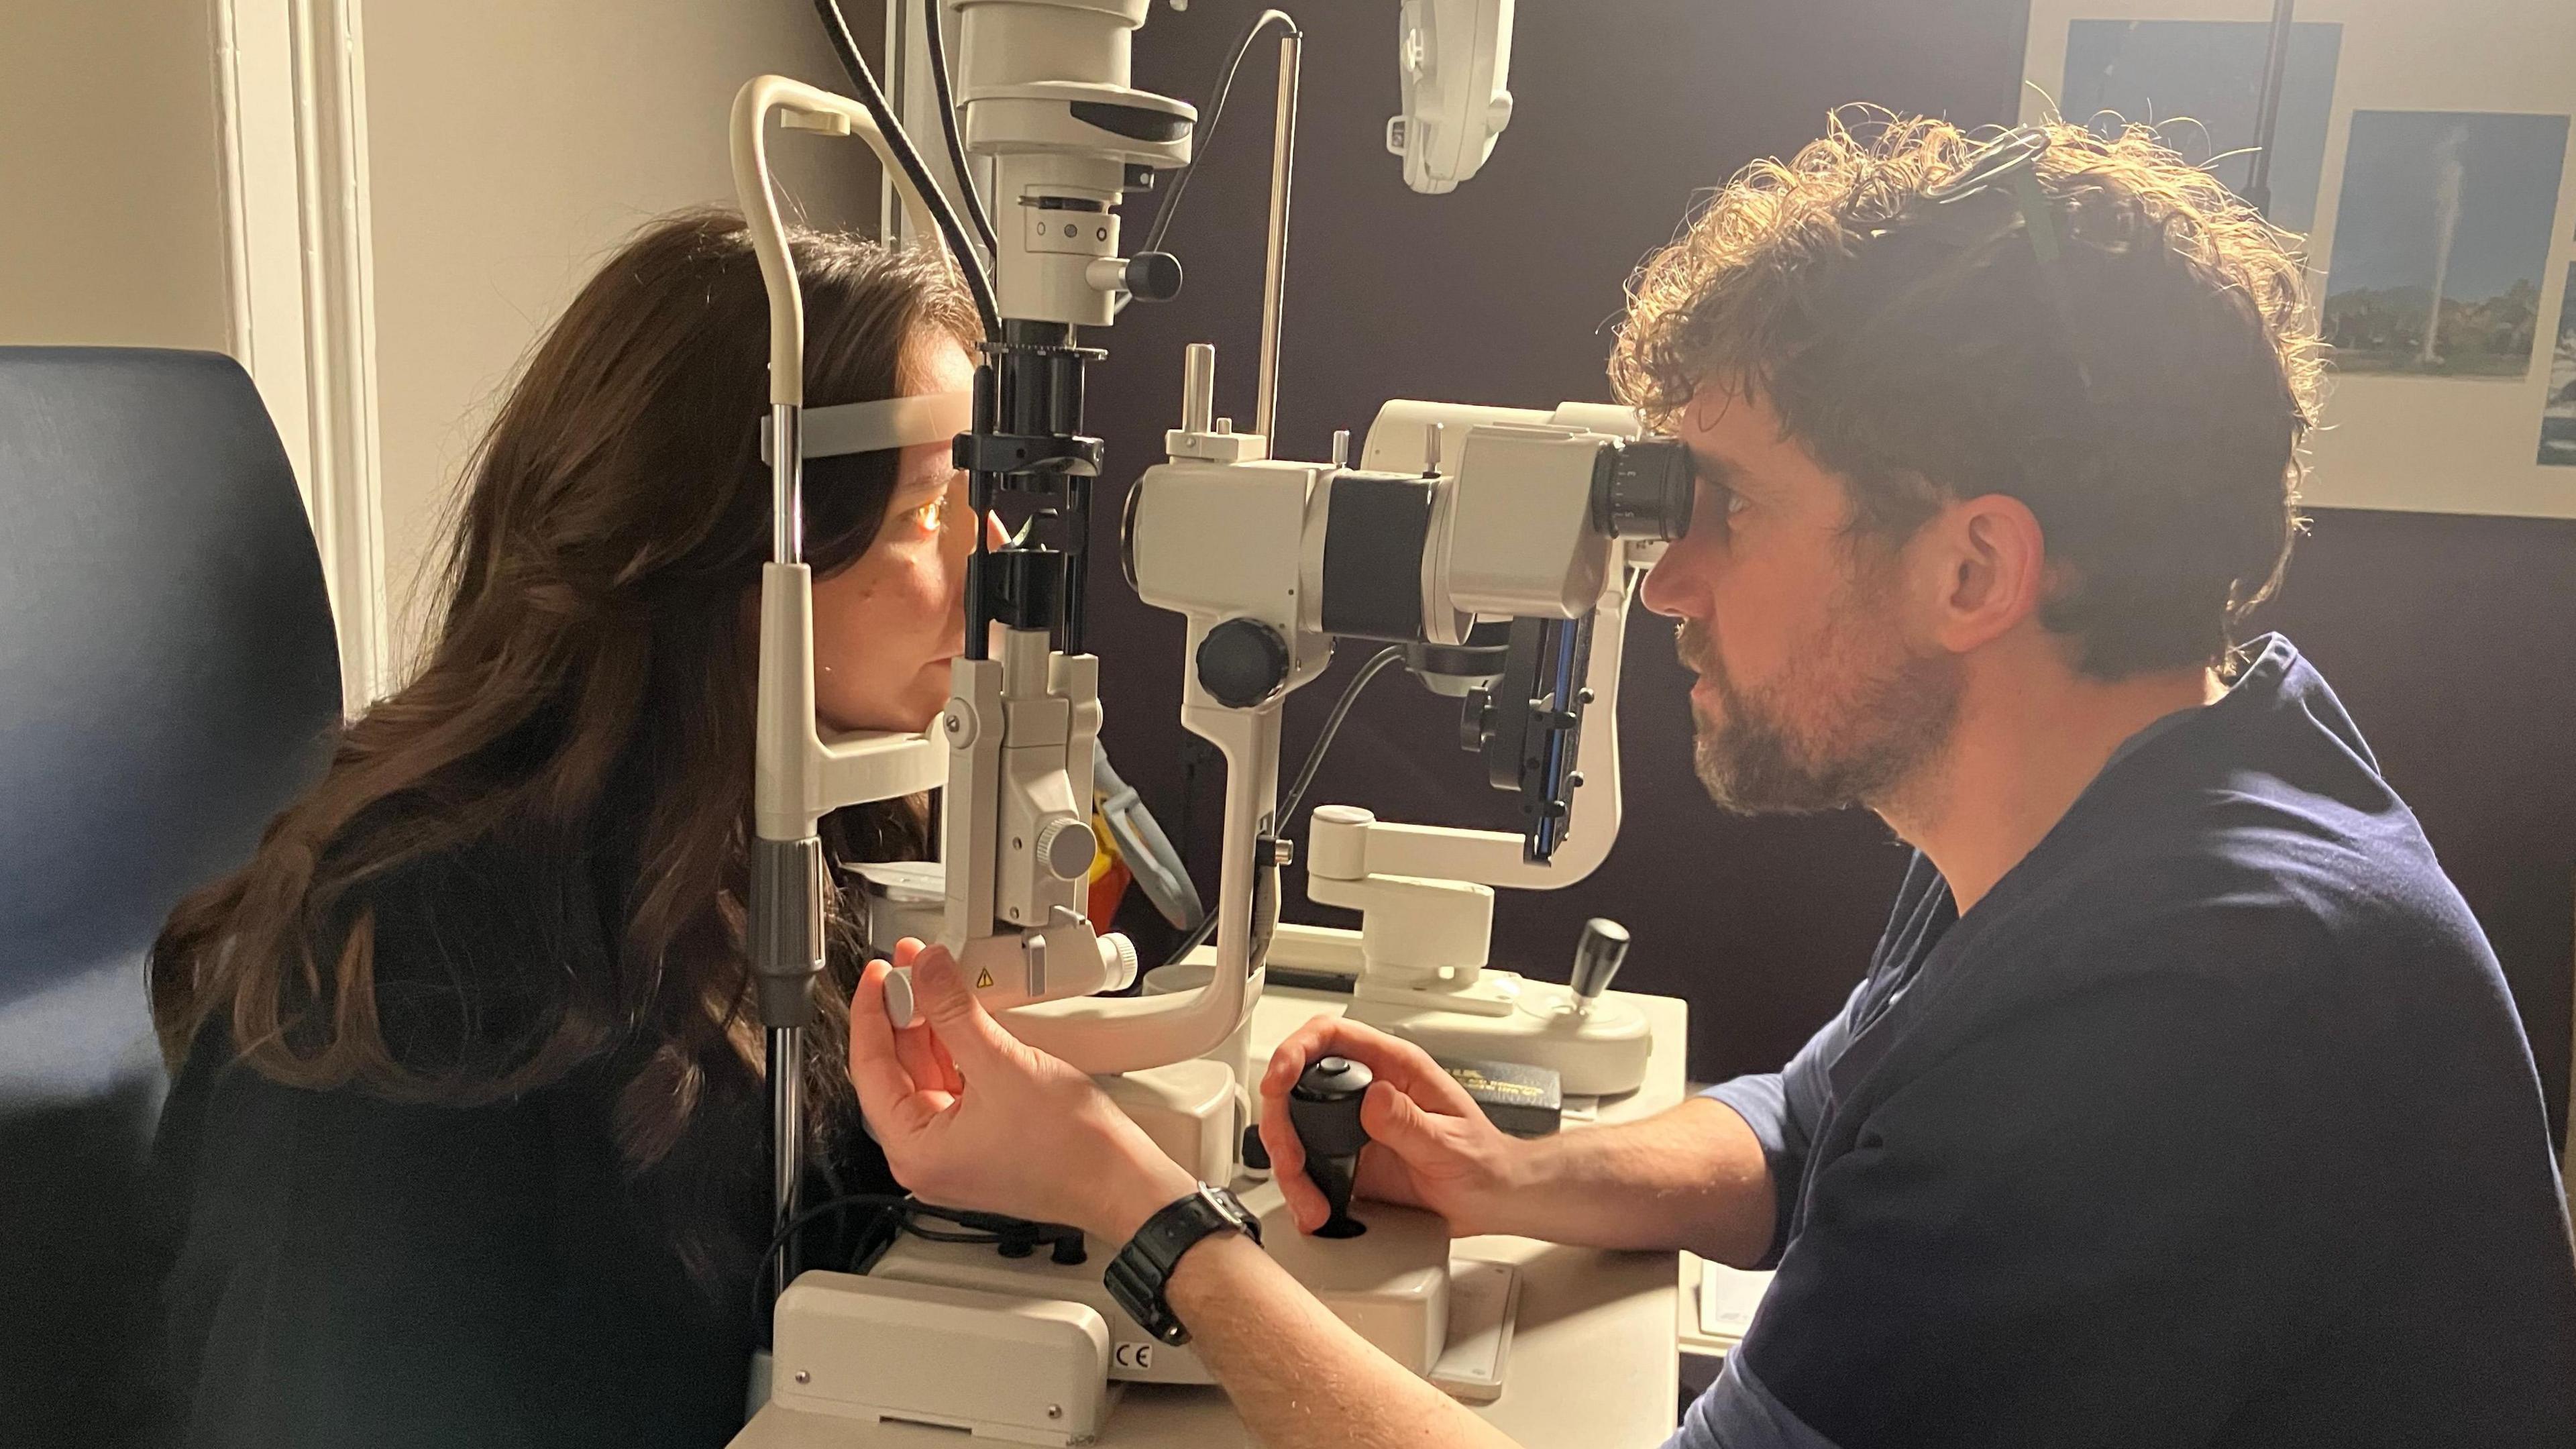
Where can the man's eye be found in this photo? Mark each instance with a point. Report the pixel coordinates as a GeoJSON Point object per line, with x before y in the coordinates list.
{"type": "Point", "coordinates": [1728, 502]}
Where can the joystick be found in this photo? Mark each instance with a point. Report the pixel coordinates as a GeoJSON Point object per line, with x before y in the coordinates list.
{"type": "Point", "coordinates": [1324, 1108]}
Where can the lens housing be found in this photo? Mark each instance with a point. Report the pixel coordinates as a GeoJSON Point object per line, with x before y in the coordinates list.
{"type": "Point", "coordinates": [1642, 489]}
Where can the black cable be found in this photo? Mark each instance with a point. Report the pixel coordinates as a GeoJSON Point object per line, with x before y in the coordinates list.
{"type": "Point", "coordinates": [940, 82]}
{"type": "Point", "coordinates": [983, 1229]}
{"type": "Point", "coordinates": [934, 1235]}
{"type": "Point", "coordinates": [837, 29]}
{"type": "Point", "coordinates": [1170, 205]}
{"type": "Point", "coordinates": [2267, 113]}
{"type": "Point", "coordinates": [979, 283]}
{"type": "Point", "coordinates": [796, 1224]}
{"type": "Point", "coordinates": [1305, 777]}
{"type": "Point", "coordinates": [1392, 654]}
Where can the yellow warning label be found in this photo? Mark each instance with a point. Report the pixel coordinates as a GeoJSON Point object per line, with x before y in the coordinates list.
{"type": "Point", "coordinates": [984, 980]}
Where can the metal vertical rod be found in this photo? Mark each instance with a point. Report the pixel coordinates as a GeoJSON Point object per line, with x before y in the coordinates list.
{"type": "Point", "coordinates": [2267, 111]}
{"type": "Point", "coordinates": [787, 499]}
{"type": "Point", "coordinates": [1198, 387]}
{"type": "Point", "coordinates": [786, 1043]}
{"type": "Point", "coordinates": [787, 1143]}
{"type": "Point", "coordinates": [1274, 269]}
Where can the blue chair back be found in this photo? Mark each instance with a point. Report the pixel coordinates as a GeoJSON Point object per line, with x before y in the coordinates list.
{"type": "Point", "coordinates": [168, 681]}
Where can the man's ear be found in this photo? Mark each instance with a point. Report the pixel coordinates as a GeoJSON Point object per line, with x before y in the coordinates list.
{"type": "Point", "coordinates": [1983, 563]}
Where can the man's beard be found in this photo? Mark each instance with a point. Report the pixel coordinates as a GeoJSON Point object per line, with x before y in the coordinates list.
{"type": "Point", "coordinates": [1852, 721]}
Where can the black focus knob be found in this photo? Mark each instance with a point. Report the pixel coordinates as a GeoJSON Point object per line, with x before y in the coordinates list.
{"type": "Point", "coordinates": [1242, 662]}
{"type": "Point", "coordinates": [1154, 276]}
{"type": "Point", "coordinates": [1324, 1107]}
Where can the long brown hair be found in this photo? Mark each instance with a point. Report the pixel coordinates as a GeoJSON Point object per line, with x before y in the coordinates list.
{"type": "Point", "coordinates": [588, 696]}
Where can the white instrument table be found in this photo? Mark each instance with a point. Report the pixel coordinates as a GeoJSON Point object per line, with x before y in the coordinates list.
{"type": "Point", "coordinates": [1716, 1305]}
{"type": "Point", "coordinates": [1595, 1361]}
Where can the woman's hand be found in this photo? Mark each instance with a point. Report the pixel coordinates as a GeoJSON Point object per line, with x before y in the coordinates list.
{"type": "Point", "coordinates": [972, 1117]}
{"type": "Point", "coordinates": [1430, 1145]}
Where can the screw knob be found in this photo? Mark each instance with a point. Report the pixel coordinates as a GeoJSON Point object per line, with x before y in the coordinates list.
{"type": "Point", "coordinates": [1154, 276]}
{"type": "Point", "coordinates": [1066, 848]}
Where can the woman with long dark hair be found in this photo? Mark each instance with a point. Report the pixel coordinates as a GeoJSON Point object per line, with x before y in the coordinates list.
{"type": "Point", "coordinates": [466, 1144]}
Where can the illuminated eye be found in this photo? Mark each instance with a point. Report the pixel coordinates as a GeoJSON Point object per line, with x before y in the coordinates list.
{"type": "Point", "coordinates": [930, 516]}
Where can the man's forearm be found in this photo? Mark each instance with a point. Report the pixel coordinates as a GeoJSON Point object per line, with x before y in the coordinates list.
{"type": "Point", "coordinates": [1298, 1375]}
{"type": "Point", "coordinates": [1690, 1178]}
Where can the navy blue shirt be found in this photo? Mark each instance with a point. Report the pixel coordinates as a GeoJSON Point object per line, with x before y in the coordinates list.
{"type": "Point", "coordinates": [2212, 1124]}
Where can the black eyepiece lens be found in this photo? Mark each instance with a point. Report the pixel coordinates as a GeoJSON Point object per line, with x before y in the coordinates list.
{"type": "Point", "coordinates": [1643, 489]}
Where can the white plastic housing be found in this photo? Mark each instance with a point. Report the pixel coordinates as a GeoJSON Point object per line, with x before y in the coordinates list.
{"type": "Point", "coordinates": [801, 775]}
{"type": "Point", "coordinates": [1518, 537]}
{"type": "Point", "coordinates": [1032, 79]}
{"type": "Point", "coordinates": [1453, 63]}
{"type": "Point", "coordinates": [805, 108]}
{"type": "Point", "coordinates": [874, 1349]}
{"type": "Point", "coordinates": [1511, 531]}
{"type": "Point", "coordinates": [1391, 1284]}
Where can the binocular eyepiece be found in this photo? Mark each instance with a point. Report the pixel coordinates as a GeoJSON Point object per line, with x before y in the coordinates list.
{"type": "Point", "coordinates": [1642, 489]}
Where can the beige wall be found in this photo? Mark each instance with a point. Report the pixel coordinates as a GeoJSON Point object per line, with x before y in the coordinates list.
{"type": "Point", "coordinates": [111, 228]}
{"type": "Point", "coordinates": [512, 143]}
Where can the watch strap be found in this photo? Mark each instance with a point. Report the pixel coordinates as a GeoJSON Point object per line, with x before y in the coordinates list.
{"type": "Point", "coordinates": [1137, 1276]}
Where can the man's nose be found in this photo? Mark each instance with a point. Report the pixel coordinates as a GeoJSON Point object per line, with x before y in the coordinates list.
{"type": "Point", "coordinates": [1673, 588]}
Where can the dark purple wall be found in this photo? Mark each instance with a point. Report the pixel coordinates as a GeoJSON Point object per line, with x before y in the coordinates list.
{"type": "Point", "coordinates": [2453, 640]}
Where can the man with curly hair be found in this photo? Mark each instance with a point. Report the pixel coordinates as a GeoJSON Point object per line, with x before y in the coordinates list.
{"type": "Point", "coordinates": [2183, 1102]}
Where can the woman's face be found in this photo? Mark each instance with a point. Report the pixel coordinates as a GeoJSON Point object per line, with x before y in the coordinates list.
{"type": "Point", "coordinates": [886, 625]}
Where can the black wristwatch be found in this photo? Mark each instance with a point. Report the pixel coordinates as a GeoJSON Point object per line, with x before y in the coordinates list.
{"type": "Point", "coordinates": [1137, 1275]}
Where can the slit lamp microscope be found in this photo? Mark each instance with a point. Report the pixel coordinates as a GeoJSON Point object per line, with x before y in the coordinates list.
{"type": "Point", "coordinates": [1498, 548]}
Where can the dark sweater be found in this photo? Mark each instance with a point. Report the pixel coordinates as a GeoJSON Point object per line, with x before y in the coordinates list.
{"type": "Point", "coordinates": [346, 1270]}
{"type": "Point", "coordinates": [2212, 1124]}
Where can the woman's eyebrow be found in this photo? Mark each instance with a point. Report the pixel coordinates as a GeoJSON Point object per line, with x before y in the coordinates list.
{"type": "Point", "coordinates": [935, 479]}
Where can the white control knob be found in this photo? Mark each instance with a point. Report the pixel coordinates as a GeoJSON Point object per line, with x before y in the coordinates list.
{"type": "Point", "coordinates": [1118, 956]}
{"type": "Point", "coordinates": [1066, 849]}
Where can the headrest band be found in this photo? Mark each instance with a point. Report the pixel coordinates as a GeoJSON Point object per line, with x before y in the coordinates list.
{"type": "Point", "coordinates": [869, 427]}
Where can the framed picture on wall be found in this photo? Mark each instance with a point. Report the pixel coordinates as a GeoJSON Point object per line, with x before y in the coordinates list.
{"type": "Point", "coordinates": [2424, 152]}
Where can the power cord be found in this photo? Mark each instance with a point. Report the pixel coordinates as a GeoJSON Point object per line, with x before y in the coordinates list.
{"type": "Point", "coordinates": [836, 29]}
{"type": "Point", "coordinates": [1014, 1237]}
{"type": "Point", "coordinates": [1376, 665]}
{"type": "Point", "coordinates": [935, 30]}
{"type": "Point", "coordinates": [1170, 206]}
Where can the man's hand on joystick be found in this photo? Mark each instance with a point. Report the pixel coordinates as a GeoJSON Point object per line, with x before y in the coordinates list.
{"type": "Point", "coordinates": [1418, 1139]}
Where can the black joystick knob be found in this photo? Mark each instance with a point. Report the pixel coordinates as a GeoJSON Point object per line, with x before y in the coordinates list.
{"type": "Point", "coordinates": [1324, 1107]}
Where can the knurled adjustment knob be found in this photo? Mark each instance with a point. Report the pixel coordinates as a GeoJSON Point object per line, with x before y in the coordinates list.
{"type": "Point", "coordinates": [1066, 848]}
{"type": "Point", "coordinates": [1242, 662]}
{"type": "Point", "coordinates": [1121, 962]}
